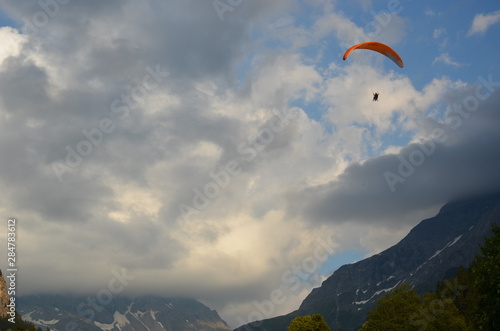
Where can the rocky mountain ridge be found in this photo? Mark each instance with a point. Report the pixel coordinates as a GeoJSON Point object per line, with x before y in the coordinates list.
{"type": "Point", "coordinates": [432, 250]}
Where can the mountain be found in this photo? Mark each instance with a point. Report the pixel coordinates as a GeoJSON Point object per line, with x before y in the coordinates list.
{"type": "Point", "coordinates": [432, 251]}
{"type": "Point", "coordinates": [68, 312]}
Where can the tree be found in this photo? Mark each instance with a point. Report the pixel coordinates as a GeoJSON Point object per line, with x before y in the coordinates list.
{"type": "Point", "coordinates": [462, 291]}
{"type": "Point", "coordinates": [487, 282]}
{"type": "Point", "coordinates": [439, 313]}
{"type": "Point", "coordinates": [403, 309]}
{"type": "Point", "coordinates": [313, 322]}
{"type": "Point", "coordinates": [392, 311]}
{"type": "Point", "coordinates": [468, 301]}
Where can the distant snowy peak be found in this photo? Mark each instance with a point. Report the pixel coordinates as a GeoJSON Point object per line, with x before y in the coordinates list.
{"type": "Point", "coordinates": [61, 313]}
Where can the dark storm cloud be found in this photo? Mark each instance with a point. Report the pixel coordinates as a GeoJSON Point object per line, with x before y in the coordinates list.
{"type": "Point", "coordinates": [192, 41]}
{"type": "Point", "coordinates": [186, 37]}
{"type": "Point", "coordinates": [26, 93]}
{"type": "Point", "coordinates": [39, 17]}
{"type": "Point", "coordinates": [19, 80]}
{"type": "Point", "coordinates": [28, 140]}
{"type": "Point", "coordinates": [41, 123]}
{"type": "Point", "coordinates": [26, 172]}
{"type": "Point", "coordinates": [457, 159]}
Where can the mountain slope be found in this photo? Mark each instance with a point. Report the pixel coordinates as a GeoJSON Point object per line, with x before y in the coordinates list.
{"type": "Point", "coordinates": [433, 249]}
{"type": "Point", "coordinates": [65, 312]}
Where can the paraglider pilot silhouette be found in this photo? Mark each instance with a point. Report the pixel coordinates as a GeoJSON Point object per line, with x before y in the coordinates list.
{"type": "Point", "coordinates": [380, 48]}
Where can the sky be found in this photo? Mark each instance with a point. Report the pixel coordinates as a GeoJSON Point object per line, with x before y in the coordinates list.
{"type": "Point", "coordinates": [223, 150]}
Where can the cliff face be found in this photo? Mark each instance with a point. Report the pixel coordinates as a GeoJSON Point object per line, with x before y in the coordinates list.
{"type": "Point", "coordinates": [4, 297]}
{"type": "Point", "coordinates": [433, 250]}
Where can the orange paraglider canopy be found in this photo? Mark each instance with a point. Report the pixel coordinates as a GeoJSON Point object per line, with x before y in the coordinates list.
{"type": "Point", "coordinates": [377, 47]}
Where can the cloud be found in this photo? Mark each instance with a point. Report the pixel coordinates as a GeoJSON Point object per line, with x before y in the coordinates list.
{"type": "Point", "coordinates": [446, 59]}
{"type": "Point", "coordinates": [429, 12]}
{"type": "Point", "coordinates": [385, 25]}
{"type": "Point", "coordinates": [482, 22]}
{"type": "Point", "coordinates": [460, 160]}
{"type": "Point", "coordinates": [438, 33]}
{"type": "Point", "coordinates": [12, 42]}
{"type": "Point", "coordinates": [441, 35]}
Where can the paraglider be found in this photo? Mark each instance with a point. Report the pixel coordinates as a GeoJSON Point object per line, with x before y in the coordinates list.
{"type": "Point", "coordinates": [380, 48]}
